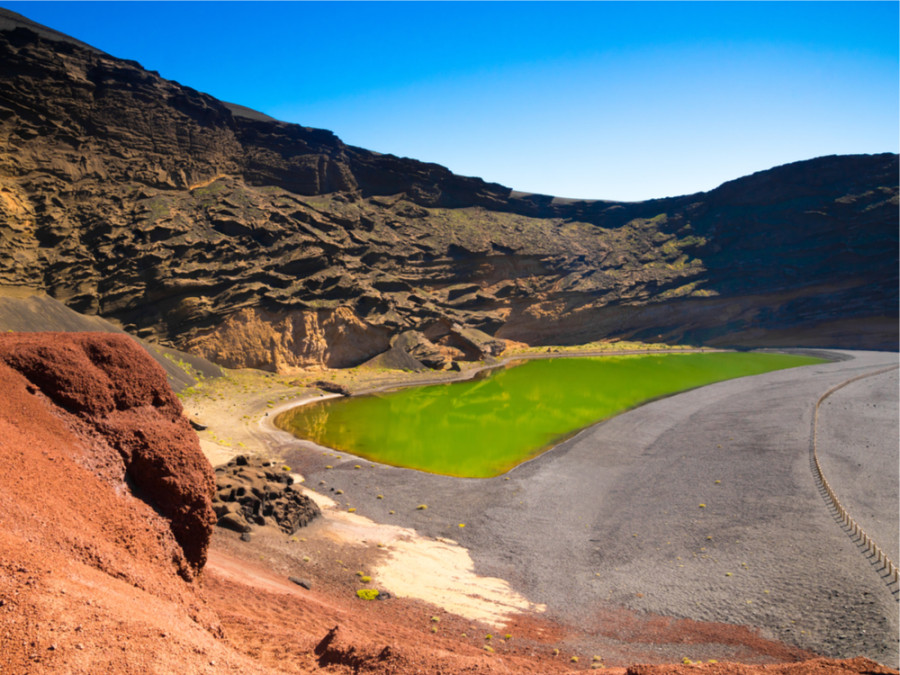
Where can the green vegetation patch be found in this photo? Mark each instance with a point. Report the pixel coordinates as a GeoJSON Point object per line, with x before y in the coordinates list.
{"type": "Point", "coordinates": [484, 427]}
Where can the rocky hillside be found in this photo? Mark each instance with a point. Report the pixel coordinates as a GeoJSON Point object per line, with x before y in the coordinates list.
{"type": "Point", "coordinates": [208, 227]}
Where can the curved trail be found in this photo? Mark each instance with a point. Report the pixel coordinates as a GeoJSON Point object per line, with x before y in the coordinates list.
{"type": "Point", "coordinates": [613, 519]}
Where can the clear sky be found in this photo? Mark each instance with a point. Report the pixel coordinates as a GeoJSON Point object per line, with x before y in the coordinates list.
{"type": "Point", "coordinates": [601, 100]}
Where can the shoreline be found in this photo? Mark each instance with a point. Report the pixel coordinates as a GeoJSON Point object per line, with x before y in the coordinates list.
{"type": "Point", "coordinates": [643, 472]}
{"type": "Point", "coordinates": [267, 423]}
{"type": "Point", "coordinates": [582, 496]}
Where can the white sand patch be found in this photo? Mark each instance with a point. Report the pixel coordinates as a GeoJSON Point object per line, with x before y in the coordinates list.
{"type": "Point", "coordinates": [438, 571]}
{"type": "Point", "coordinates": [323, 502]}
{"type": "Point", "coordinates": [442, 572]}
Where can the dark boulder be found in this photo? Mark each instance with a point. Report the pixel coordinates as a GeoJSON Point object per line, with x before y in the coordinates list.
{"type": "Point", "coordinates": [331, 387]}
{"type": "Point", "coordinates": [253, 491]}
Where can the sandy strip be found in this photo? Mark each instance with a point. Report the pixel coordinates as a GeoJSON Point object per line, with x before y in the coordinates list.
{"type": "Point", "coordinates": [437, 571]}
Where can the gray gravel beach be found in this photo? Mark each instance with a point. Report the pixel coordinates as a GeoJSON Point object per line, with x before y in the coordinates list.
{"type": "Point", "coordinates": [702, 505]}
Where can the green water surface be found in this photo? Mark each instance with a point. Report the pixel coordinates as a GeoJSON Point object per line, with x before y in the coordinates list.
{"type": "Point", "coordinates": [484, 427]}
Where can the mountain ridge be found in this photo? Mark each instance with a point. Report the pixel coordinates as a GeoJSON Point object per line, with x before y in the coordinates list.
{"type": "Point", "coordinates": [261, 243]}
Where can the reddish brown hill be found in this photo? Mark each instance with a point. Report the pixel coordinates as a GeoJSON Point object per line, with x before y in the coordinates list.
{"type": "Point", "coordinates": [87, 422]}
{"type": "Point", "coordinates": [128, 426]}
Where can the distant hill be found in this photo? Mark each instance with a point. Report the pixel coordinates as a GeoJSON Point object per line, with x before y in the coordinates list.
{"type": "Point", "coordinates": [215, 229]}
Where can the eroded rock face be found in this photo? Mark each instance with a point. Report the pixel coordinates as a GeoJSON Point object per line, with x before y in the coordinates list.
{"type": "Point", "coordinates": [259, 243]}
{"type": "Point", "coordinates": [116, 398]}
{"type": "Point", "coordinates": [254, 491]}
{"type": "Point", "coordinates": [423, 351]}
{"type": "Point", "coordinates": [254, 338]}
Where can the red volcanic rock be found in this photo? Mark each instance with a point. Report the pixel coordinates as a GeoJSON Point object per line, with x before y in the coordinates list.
{"type": "Point", "coordinates": [107, 390]}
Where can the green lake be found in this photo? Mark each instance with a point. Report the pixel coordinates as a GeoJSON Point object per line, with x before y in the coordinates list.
{"type": "Point", "coordinates": [484, 427]}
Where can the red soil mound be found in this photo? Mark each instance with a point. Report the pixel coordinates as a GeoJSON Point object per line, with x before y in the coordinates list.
{"type": "Point", "coordinates": [118, 401]}
{"type": "Point", "coordinates": [87, 422]}
{"type": "Point", "coordinates": [104, 525]}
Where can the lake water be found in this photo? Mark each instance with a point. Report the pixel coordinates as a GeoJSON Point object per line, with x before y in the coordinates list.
{"type": "Point", "coordinates": [484, 427]}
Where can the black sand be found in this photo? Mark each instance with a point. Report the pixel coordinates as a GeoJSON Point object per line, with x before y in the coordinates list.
{"type": "Point", "coordinates": [613, 517]}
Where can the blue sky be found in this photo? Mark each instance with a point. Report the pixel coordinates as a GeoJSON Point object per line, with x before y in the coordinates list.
{"type": "Point", "coordinates": [599, 100]}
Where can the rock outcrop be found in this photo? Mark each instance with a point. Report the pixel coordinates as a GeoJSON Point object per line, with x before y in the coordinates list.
{"type": "Point", "coordinates": [123, 426]}
{"type": "Point", "coordinates": [204, 226]}
{"type": "Point", "coordinates": [254, 338]}
{"type": "Point", "coordinates": [253, 491]}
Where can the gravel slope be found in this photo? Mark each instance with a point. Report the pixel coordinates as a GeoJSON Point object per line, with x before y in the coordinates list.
{"type": "Point", "coordinates": [613, 518]}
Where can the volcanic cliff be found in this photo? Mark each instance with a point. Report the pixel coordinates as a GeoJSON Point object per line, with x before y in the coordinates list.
{"type": "Point", "coordinates": [208, 227]}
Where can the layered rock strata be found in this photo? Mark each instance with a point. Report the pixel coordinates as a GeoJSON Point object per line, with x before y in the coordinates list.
{"type": "Point", "coordinates": [256, 243]}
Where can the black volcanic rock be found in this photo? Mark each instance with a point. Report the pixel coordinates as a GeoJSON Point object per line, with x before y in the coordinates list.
{"type": "Point", "coordinates": [253, 242]}
{"type": "Point", "coordinates": [254, 491]}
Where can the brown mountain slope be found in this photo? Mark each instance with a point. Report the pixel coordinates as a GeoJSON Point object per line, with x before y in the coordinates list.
{"type": "Point", "coordinates": [259, 243]}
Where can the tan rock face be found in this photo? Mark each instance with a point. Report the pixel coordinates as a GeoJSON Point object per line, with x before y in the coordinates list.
{"type": "Point", "coordinates": [254, 338]}
{"type": "Point", "coordinates": [271, 245]}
